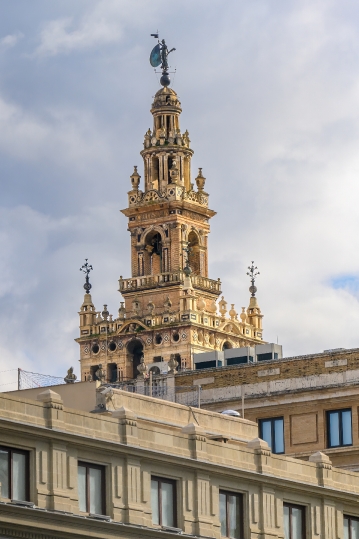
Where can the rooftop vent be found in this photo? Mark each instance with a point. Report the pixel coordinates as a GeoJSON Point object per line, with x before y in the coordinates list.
{"type": "Point", "coordinates": [233, 413]}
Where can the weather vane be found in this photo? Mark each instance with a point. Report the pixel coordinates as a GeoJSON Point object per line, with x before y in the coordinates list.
{"type": "Point", "coordinates": [158, 56]}
{"type": "Point", "coordinates": [187, 269]}
{"type": "Point", "coordinates": [86, 268]}
{"type": "Point", "coordinates": [252, 274]}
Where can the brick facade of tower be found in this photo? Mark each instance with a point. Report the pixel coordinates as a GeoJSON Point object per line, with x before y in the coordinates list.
{"type": "Point", "coordinates": [170, 304]}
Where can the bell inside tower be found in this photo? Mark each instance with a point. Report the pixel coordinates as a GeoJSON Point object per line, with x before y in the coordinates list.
{"type": "Point", "coordinates": [153, 253]}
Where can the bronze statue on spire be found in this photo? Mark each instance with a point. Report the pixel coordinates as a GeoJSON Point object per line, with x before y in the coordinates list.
{"type": "Point", "coordinates": [159, 56]}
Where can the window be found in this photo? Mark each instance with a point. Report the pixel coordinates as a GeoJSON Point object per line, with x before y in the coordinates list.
{"type": "Point", "coordinates": [339, 424]}
{"type": "Point", "coordinates": [91, 485]}
{"type": "Point", "coordinates": [14, 474]}
{"type": "Point", "coordinates": [163, 502]}
{"type": "Point", "coordinates": [272, 431]}
{"type": "Point", "coordinates": [351, 527]}
{"type": "Point", "coordinates": [294, 521]}
{"type": "Point", "coordinates": [230, 513]}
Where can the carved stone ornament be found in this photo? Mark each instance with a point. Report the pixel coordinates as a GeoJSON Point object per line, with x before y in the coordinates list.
{"type": "Point", "coordinates": [222, 307]}
{"type": "Point", "coordinates": [135, 179]}
{"type": "Point", "coordinates": [173, 364]}
{"type": "Point", "coordinates": [232, 313]}
{"type": "Point", "coordinates": [70, 378]}
{"type": "Point", "coordinates": [100, 374]}
{"type": "Point", "coordinates": [200, 180]}
{"type": "Point", "coordinates": [151, 307]}
{"type": "Point", "coordinates": [142, 368]}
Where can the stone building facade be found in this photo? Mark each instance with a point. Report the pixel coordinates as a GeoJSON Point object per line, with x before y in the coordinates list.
{"type": "Point", "coordinates": [170, 304]}
{"type": "Point", "coordinates": [311, 400]}
{"type": "Point", "coordinates": [141, 467]}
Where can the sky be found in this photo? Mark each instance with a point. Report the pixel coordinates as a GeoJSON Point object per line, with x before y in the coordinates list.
{"type": "Point", "coordinates": [270, 97]}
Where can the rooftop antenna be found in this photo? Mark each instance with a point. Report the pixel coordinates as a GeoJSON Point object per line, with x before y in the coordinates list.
{"type": "Point", "coordinates": [159, 57]}
{"type": "Point", "coordinates": [252, 274]}
{"type": "Point", "coordinates": [86, 268]}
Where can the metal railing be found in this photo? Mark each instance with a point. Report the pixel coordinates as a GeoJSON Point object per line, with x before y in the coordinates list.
{"type": "Point", "coordinates": [187, 395]}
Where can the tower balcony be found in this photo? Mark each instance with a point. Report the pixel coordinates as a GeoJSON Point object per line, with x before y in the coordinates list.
{"type": "Point", "coordinates": [168, 279]}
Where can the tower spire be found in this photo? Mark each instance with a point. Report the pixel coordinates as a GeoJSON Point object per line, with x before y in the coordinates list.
{"type": "Point", "coordinates": [253, 273]}
{"type": "Point", "coordinates": [170, 302]}
{"type": "Point", "coordinates": [86, 268]}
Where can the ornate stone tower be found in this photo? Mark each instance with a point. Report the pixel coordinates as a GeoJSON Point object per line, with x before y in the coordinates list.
{"type": "Point", "coordinates": [170, 304]}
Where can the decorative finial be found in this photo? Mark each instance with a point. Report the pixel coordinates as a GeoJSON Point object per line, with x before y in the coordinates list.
{"type": "Point", "coordinates": [135, 179]}
{"type": "Point", "coordinates": [105, 313]}
{"type": "Point", "coordinates": [252, 274]}
{"type": "Point", "coordinates": [158, 56]}
{"type": "Point", "coordinates": [200, 180]}
{"type": "Point", "coordinates": [86, 268]}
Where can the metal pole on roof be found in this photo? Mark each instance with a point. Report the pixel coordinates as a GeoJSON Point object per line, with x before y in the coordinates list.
{"type": "Point", "coordinates": [243, 389]}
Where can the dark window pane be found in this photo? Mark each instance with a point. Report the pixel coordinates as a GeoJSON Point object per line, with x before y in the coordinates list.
{"type": "Point", "coordinates": [82, 487]}
{"type": "Point", "coordinates": [334, 429]}
{"type": "Point", "coordinates": [4, 473]}
{"type": "Point", "coordinates": [279, 435]}
{"type": "Point", "coordinates": [19, 476]}
{"type": "Point", "coordinates": [230, 513]}
{"type": "Point", "coordinates": [267, 432]}
{"type": "Point", "coordinates": [347, 427]}
{"type": "Point", "coordinates": [154, 502]}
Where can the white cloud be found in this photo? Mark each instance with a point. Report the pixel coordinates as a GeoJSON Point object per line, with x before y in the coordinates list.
{"type": "Point", "coordinates": [63, 136]}
{"type": "Point", "coordinates": [10, 40]}
{"type": "Point", "coordinates": [270, 96]}
{"type": "Point", "coordinates": [102, 25]}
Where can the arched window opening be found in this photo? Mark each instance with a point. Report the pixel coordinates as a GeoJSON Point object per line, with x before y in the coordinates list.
{"type": "Point", "coordinates": [93, 370]}
{"type": "Point", "coordinates": [155, 173]}
{"type": "Point", "coordinates": [153, 254]}
{"type": "Point", "coordinates": [168, 125]}
{"type": "Point", "coordinates": [226, 345]}
{"type": "Point", "coordinates": [135, 352]}
{"type": "Point", "coordinates": [112, 376]}
{"type": "Point", "coordinates": [169, 166]}
{"type": "Point", "coordinates": [194, 256]}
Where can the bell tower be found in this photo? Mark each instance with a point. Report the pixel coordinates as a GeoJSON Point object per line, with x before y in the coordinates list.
{"type": "Point", "coordinates": [170, 306]}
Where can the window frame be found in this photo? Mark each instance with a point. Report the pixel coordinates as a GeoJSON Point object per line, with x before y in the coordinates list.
{"type": "Point", "coordinates": [303, 509]}
{"type": "Point", "coordinates": [240, 497]}
{"type": "Point", "coordinates": [11, 451]}
{"type": "Point", "coordinates": [102, 469]}
{"type": "Point", "coordinates": [272, 420]}
{"type": "Point", "coordinates": [172, 482]}
{"type": "Point", "coordinates": [340, 413]}
{"type": "Point", "coordinates": [350, 518]}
